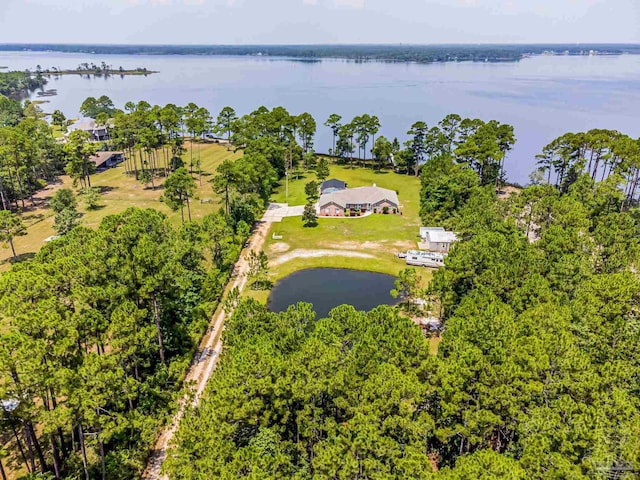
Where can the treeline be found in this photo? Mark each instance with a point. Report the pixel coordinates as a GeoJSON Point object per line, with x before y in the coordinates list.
{"type": "Point", "coordinates": [15, 84]}
{"type": "Point", "coordinates": [598, 153]}
{"type": "Point", "coordinates": [478, 144]}
{"type": "Point", "coordinates": [97, 333]}
{"type": "Point", "coordinates": [153, 139]}
{"type": "Point", "coordinates": [87, 68]}
{"type": "Point", "coordinates": [540, 308]}
{"type": "Point", "coordinates": [99, 328]}
{"type": "Point", "coordinates": [154, 136]}
{"type": "Point", "coordinates": [273, 142]}
{"type": "Point", "coordinates": [393, 53]}
{"type": "Point", "coordinates": [29, 154]}
{"type": "Point", "coordinates": [536, 376]}
{"type": "Point", "coordinates": [296, 397]}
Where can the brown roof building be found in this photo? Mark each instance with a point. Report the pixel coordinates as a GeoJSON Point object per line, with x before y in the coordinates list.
{"type": "Point", "coordinates": [104, 160]}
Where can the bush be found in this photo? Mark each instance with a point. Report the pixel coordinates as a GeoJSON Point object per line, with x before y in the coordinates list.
{"type": "Point", "coordinates": [62, 200]}
{"type": "Point", "coordinates": [385, 210]}
{"type": "Point", "coordinates": [144, 177]}
{"type": "Point", "coordinates": [91, 197]}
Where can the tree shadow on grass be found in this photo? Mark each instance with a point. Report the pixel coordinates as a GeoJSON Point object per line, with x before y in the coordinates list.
{"type": "Point", "coordinates": [22, 257]}
{"type": "Point", "coordinates": [36, 217]}
{"type": "Point", "coordinates": [107, 188]}
{"type": "Point", "coordinates": [149, 188]}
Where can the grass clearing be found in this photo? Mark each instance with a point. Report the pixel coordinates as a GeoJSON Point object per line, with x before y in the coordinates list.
{"type": "Point", "coordinates": [119, 192]}
{"type": "Point", "coordinates": [377, 235]}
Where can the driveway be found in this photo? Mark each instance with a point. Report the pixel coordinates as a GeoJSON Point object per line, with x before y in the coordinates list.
{"type": "Point", "coordinates": [205, 360]}
{"type": "Point", "coordinates": [277, 211]}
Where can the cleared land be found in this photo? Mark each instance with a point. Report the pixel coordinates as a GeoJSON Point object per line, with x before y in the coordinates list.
{"type": "Point", "coordinates": [119, 192]}
{"type": "Point", "coordinates": [378, 236]}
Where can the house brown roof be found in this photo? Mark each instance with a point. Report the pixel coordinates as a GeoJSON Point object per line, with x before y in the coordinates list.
{"type": "Point", "coordinates": [100, 157]}
{"type": "Point", "coordinates": [359, 195]}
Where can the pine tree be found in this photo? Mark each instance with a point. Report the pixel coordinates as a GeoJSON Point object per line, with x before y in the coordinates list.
{"type": "Point", "coordinates": [11, 226]}
{"type": "Point", "coordinates": [309, 217]}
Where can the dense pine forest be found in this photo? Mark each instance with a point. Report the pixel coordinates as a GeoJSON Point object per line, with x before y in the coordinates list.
{"type": "Point", "coordinates": [97, 331]}
{"type": "Point", "coordinates": [537, 372]}
{"type": "Point", "coordinates": [536, 375]}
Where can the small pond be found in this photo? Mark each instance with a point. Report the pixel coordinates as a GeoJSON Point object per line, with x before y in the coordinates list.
{"type": "Point", "coordinates": [327, 288]}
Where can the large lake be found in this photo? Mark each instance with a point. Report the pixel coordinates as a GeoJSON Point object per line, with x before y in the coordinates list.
{"type": "Point", "coordinates": [543, 97]}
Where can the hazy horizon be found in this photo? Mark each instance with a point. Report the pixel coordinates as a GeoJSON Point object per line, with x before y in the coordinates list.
{"type": "Point", "coordinates": [320, 22]}
{"type": "Point", "coordinates": [293, 44]}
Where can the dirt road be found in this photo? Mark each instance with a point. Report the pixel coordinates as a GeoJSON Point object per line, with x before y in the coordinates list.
{"type": "Point", "coordinates": [205, 359]}
{"type": "Point", "coordinates": [304, 253]}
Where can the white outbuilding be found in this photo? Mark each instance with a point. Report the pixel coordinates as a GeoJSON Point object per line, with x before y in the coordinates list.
{"type": "Point", "coordinates": [439, 240]}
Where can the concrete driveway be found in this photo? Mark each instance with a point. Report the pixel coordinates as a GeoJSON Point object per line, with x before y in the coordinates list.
{"type": "Point", "coordinates": [277, 211]}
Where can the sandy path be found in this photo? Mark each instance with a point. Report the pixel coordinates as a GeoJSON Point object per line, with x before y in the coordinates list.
{"type": "Point", "coordinates": [303, 253]}
{"type": "Point", "coordinates": [204, 361]}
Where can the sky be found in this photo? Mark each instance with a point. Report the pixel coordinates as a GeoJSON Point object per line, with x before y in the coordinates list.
{"type": "Point", "coordinates": [319, 21]}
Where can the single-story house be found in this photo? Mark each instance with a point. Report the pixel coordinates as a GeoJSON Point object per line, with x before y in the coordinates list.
{"type": "Point", "coordinates": [362, 199]}
{"type": "Point", "coordinates": [99, 133]}
{"type": "Point", "coordinates": [440, 240]}
{"type": "Point", "coordinates": [332, 185]}
{"type": "Point", "coordinates": [425, 230]}
{"type": "Point", "coordinates": [104, 160]}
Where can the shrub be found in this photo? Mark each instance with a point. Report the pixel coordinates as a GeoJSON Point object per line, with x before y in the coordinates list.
{"type": "Point", "coordinates": [91, 197]}
{"type": "Point", "coordinates": [385, 210]}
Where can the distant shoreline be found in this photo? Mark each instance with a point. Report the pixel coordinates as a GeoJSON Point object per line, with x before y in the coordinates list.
{"type": "Point", "coordinates": [96, 73]}
{"type": "Point", "coordinates": [496, 53]}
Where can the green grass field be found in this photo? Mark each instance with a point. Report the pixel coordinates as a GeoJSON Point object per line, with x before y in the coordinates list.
{"type": "Point", "coordinates": [120, 192]}
{"type": "Point", "coordinates": [377, 235]}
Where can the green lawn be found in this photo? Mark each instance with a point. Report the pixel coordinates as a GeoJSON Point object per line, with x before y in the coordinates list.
{"type": "Point", "coordinates": [120, 192]}
{"type": "Point", "coordinates": [377, 235]}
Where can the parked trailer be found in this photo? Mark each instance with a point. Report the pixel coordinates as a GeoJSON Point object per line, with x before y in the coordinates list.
{"type": "Point", "coordinates": [425, 259]}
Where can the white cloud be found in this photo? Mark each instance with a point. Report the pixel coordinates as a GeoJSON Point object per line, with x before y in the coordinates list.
{"type": "Point", "coordinates": [310, 2]}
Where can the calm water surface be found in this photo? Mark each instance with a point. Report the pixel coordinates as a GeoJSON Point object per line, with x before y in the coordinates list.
{"type": "Point", "coordinates": [543, 97]}
{"type": "Point", "coordinates": [327, 288]}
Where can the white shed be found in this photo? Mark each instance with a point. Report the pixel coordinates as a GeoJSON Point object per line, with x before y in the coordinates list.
{"type": "Point", "coordinates": [425, 230]}
{"type": "Point", "coordinates": [440, 240]}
